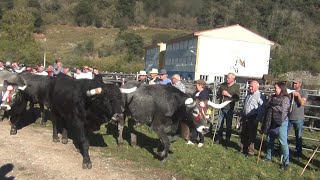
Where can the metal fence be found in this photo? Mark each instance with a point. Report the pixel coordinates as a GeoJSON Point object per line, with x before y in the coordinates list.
{"type": "Point", "coordinates": [268, 90]}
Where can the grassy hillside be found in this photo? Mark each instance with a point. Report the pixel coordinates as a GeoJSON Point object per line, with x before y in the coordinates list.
{"type": "Point", "coordinates": [60, 41]}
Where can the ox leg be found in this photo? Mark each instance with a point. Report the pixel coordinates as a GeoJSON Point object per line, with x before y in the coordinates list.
{"type": "Point", "coordinates": [14, 121]}
{"type": "Point", "coordinates": [13, 130]}
{"type": "Point", "coordinates": [165, 142]}
{"type": "Point", "coordinates": [64, 138]}
{"type": "Point", "coordinates": [55, 137]}
{"type": "Point", "coordinates": [83, 142]}
{"type": "Point", "coordinates": [120, 131]}
{"type": "Point", "coordinates": [31, 108]}
{"type": "Point", "coordinates": [1, 115]}
{"type": "Point", "coordinates": [131, 127]}
{"type": "Point", "coordinates": [43, 118]}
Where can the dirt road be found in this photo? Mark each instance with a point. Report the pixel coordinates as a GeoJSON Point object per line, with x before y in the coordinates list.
{"type": "Point", "coordinates": [31, 154]}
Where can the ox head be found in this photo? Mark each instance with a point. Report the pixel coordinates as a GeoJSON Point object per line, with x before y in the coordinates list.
{"type": "Point", "coordinates": [107, 100]}
{"type": "Point", "coordinates": [10, 95]}
{"type": "Point", "coordinates": [196, 111]}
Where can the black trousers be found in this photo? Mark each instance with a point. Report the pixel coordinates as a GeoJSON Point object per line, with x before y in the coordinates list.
{"type": "Point", "coordinates": [248, 134]}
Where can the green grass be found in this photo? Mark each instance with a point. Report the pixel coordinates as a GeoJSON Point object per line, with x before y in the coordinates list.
{"type": "Point", "coordinates": [212, 161]}
{"type": "Point", "coordinates": [209, 162]}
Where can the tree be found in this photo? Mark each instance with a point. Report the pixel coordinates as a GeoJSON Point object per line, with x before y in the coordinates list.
{"type": "Point", "coordinates": [130, 43]}
{"type": "Point", "coordinates": [16, 40]}
{"type": "Point", "coordinates": [84, 15]}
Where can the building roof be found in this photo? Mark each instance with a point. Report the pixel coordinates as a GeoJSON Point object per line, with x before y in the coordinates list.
{"type": "Point", "coordinates": [235, 32]}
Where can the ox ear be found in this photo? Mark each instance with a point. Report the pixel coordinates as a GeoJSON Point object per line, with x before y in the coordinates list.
{"type": "Point", "coordinates": [127, 91]}
{"type": "Point", "coordinates": [22, 88]}
{"type": "Point", "coordinates": [189, 102]}
{"type": "Point", "coordinates": [5, 83]}
{"type": "Point", "coordinates": [218, 106]}
{"type": "Point", "coordinates": [94, 91]}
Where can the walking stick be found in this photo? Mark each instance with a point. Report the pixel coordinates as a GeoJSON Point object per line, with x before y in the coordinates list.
{"type": "Point", "coordinates": [215, 129]}
{"type": "Point", "coordinates": [260, 148]}
{"type": "Point", "coordinates": [309, 160]}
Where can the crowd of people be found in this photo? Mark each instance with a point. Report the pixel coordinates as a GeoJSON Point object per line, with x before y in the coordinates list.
{"type": "Point", "coordinates": [276, 114]}
{"type": "Point", "coordinates": [85, 72]}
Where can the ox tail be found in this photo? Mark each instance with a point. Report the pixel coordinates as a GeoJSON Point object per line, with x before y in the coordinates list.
{"type": "Point", "coordinates": [218, 106]}
{"type": "Point", "coordinates": [127, 91]}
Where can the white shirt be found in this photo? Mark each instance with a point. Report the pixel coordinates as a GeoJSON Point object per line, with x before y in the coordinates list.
{"type": "Point", "coordinates": [43, 73]}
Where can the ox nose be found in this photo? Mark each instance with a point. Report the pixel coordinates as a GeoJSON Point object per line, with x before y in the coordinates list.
{"type": "Point", "coordinates": [117, 117]}
{"type": "Point", "coordinates": [205, 130]}
{"type": "Point", "coordinates": [4, 108]}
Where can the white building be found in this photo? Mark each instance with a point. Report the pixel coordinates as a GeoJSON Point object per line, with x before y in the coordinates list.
{"type": "Point", "coordinates": [212, 54]}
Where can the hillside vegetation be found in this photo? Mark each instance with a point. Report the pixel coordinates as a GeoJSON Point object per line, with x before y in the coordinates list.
{"type": "Point", "coordinates": [292, 24]}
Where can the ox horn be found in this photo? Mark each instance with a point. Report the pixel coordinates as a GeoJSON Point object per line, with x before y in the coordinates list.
{"type": "Point", "coordinates": [94, 91]}
{"type": "Point", "coordinates": [218, 106]}
{"type": "Point", "coordinates": [22, 88]}
{"type": "Point", "coordinates": [190, 102]}
{"type": "Point", "coordinates": [127, 91]}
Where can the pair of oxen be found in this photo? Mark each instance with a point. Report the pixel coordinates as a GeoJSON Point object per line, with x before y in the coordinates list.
{"type": "Point", "coordinates": [81, 106]}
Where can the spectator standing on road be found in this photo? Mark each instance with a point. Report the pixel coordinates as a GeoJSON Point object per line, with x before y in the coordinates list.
{"type": "Point", "coordinates": [154, 76]}
{"type": "Point", "coordinates": [176, 82]}
{"type": "Point", "coordinates": [296, 114]}
{"type": "Point", "coordinates": [164, 77]}
{"type": "Point", "coordinates": [228, 91]}
{"type": "Point", "coordinates": [252, 112]}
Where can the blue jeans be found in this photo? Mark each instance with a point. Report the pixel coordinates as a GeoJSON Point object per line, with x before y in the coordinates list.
{"type": "Point", "coordinates": [298, 127]}
{"type": "Point", "coordinates": [228, 115]}
{"type": "Point", "coordinates": [283, 137]}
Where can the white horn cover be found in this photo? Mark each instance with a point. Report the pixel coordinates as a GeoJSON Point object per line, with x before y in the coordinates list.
{"type": "Point", "coordinates": [127, 91]}
{"type": "Point", "coordinates": [189, 102]}
{"type": "Point", "coordinates": [22, 88]}
{"type": "Point", "coordinates": [218, 106]}
{"type": "Point", "coordinates": [94, 91]}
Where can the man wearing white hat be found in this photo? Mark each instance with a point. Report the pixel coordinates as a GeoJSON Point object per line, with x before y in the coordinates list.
{"type": "Point", "coordinates": [154, 76]}
{"type": "Point", "coordinates": [142, 77]}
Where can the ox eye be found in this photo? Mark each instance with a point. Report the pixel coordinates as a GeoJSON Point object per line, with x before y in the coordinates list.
{"type": "Point", "coordinates": [14, 95]}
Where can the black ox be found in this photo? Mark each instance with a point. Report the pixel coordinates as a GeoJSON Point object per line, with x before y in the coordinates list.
{"type": "Point", "coordinates": [79, 106]}
{"type": "Point", "coordinates": [163, 108]}
{"type": "Point", "coordinates": [35, 88]}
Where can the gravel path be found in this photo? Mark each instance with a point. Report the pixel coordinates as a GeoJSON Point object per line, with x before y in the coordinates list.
{"type": "Point", "coordinates": [31, 154]}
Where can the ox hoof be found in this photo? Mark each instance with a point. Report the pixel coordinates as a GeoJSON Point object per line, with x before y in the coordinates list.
{"type": "Point", "coordinates": [162, 155]}
{"type": "Point", "coordinates": [133, 143]}
{"type": "Point", "coordinates": [55, 140]}
{"type": "Point", "coordinates": [42, 124]}
{"type": "Point", "coordinates": [64, 141]}
{"type": "Point", "coordinates": [87, 165]}
{"type": "Point", "coordinates": [13, 131]}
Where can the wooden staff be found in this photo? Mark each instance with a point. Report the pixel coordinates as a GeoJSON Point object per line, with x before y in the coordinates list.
{"type": "Point", "coordinates": [260, 148]}
{"type": "Point", "coordinates": [215, 129]}
{"type": "Point", "coordinates": [292, 100]}
{"type": "Point", "coordinates": [309, 160]}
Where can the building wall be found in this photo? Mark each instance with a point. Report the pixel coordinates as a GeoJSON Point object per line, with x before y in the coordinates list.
{"type": "Point", "coordinates": [152, 58]}
{"type": "Point", "coordinates": [180, 57]}
{"type": "Point", "coordinates": [218, 57]}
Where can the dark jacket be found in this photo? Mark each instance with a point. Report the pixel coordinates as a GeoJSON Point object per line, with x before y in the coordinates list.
{"type": "Point", "coordinates": [277, 111]}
